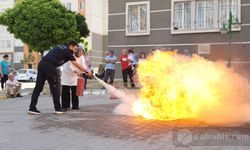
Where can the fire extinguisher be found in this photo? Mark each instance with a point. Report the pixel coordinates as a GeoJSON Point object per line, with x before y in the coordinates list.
{"type": "Point", "coordinates": [80, 86]}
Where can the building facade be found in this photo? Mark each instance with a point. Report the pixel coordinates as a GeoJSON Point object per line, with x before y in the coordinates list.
{"type": "Point", "coordinates": [7, 40]}
{"type": "Point", "coordinates": [15, 48]}
{"type": "Point", "coordinates": [96, 13]}
{"type": "Point", "coordinates": [181, 24]}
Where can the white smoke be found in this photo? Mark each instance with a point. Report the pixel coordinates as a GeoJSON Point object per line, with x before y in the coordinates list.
{"type": "Point", "coordinates": [123, 108]}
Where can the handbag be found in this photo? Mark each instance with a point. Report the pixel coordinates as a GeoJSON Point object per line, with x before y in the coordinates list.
{"type": "Point", "coordinates": [80, 87]}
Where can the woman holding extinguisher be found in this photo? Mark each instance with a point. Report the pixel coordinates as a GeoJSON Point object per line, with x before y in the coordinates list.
{"type": "Point", "coordinates": [70, 75]}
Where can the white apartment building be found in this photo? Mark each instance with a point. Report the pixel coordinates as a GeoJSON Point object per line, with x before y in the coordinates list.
{"type": "Point", "coordinates": [96, 13]}
{"type": "Point", "coordinates": [8, 44]}
{"type": "Point", "coordinates": [6, 39]}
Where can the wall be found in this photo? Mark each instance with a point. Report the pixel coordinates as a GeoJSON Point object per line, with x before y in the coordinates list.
{"type": "Point", "coordinates": [97, 19]}
{"type": "Point", "coordinates": [4, 34]}
{"type": "Point", "coordinates": [160, 35]}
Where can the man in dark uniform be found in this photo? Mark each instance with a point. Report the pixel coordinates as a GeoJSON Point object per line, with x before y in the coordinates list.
{"type": "Point", "coordinates": [47, 71]}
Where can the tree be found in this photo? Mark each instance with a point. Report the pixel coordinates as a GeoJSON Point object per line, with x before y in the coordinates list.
{"type": "Point", "coordinates": [85, 44]}
{"type": "Point", "coordinates": [82, 26]}
{"type": "Point", "coordinates": [28, 59]}
{"type": "Point", "coordinates": [42, 24]}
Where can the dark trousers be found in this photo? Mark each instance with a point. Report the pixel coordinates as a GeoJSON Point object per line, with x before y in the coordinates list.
{"type": "Point", "coordinates": [3, 80]}
{"type": "Point", "coordinates": [46, 71]}
{"type": "Point", "coordinates": [66, 97]}
{"type": "Point", "coordinates": [85, 82]}
{"type": "Point", "coordinates": [109, 73]}
{"type": "Point", "coordinates": [125, 74]}
{"type": "Point", "coordinates": [86, 79]}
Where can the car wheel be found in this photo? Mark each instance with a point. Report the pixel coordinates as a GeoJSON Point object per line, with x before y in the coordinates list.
{"type": "Point", "coordinates": [30, 80]}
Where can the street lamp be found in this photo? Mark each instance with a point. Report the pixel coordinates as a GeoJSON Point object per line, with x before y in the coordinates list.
{"type": "Point", "coordinates": [227, 28]}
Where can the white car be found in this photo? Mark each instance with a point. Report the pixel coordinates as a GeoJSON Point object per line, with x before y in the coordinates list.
{"type": "Point", "coordinates": [27, 75]}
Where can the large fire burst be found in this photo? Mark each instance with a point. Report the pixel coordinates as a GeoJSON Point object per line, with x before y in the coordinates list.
{"type": "Point", "coordinates": [180, 87]}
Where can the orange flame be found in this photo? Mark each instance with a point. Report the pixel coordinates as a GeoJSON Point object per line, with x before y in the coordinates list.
{"type": "Point", "coordinates": [178, 87]}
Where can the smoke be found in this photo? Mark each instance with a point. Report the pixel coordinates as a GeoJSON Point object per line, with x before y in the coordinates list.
{"type": "Point", "coordinates": [123, 108]}
{"type": "Point", "coordinates": [180, 87]}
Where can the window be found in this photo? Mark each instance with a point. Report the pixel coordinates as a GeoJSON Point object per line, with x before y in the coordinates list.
{"type": "Point", "coordinates": [32, 72]}
{"type": "Point", "coordinates": [5, 44]}
{"type": "Point", "coordinates": [137, 18]}
{"type": "Point", "coordinates": [189, 16]}
{"type": "Point", "coordinates": [81, 6]}
{"type": "Point", "coordinates": [68, 6]}
{"type": "Point", "coordinates": [224, 9]}
{"type": "Point", "coordinates": [204, 14]}
{"type": "Point", "coordinates": [182, 16]}
{"type": "Point", "coordinates": [22, 71]}
{"type": "Point", "coordinates": [18, 57]}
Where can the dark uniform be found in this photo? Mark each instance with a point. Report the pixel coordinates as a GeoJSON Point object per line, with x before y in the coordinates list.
{"type": "Point", "coordinates": [47, 71]}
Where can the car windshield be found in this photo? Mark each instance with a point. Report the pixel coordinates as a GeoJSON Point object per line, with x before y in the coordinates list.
{"type": "Point", "coordinates": [22, 71]}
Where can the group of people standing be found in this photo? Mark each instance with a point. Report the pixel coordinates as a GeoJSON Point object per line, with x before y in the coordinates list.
{"type": "Point", "coordinates": [129, 61]}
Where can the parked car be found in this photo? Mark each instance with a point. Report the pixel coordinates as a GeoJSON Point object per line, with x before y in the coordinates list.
{"type": "Point", "coordinates": [27, 75]}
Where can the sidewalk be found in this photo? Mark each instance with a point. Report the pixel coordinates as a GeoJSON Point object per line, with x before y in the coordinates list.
{"type": "Point", "coordinates": [93, 89]}
{"type": "Point", "coordinates": [24, 92]}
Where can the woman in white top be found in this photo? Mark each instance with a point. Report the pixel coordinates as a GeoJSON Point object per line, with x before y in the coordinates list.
{"type": "Point", "coordinates": [69, 81]}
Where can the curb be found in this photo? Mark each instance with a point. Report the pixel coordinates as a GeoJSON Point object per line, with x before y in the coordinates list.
{"type": "Point", "coordinates": [97, 92]}
{"type": "Point", "coordinates": [4, 97]}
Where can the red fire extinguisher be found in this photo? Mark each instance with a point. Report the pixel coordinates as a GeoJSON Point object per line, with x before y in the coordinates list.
{"type": "Point", "coordinates": [80, 87]}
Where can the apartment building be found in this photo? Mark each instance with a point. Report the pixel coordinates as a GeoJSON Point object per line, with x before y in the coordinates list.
{"type": "Point", "coordinates": [96, 13]}
{"type": "Point", "coordinates": [15, 48]}
{"type": "Point", "coordinates": [181, 24]}
{"type": "Point", "coordinates": [7, 41]}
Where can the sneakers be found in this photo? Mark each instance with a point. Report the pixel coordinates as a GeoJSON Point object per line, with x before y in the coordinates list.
{"type": "Point", "coordinates": [59, 111]}
{"type": "Point", "coordinates": [34, 111]}
{"type": "Point", "coordinates": [12, 96]}
{"type": "Point", "coordinates": [65, 109]}
{"type": "Point", "coordinates": [75, 108]}
{"type": "Point", "coordinates": [19, 95]}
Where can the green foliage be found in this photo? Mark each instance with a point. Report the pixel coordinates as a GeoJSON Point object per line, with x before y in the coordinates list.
{"type": "Point", "coordinates": [82, 26]}
{"type": "Point", "coordinates": [85, 44]}
{"type": "Point", "coordinates": [42, 24]}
